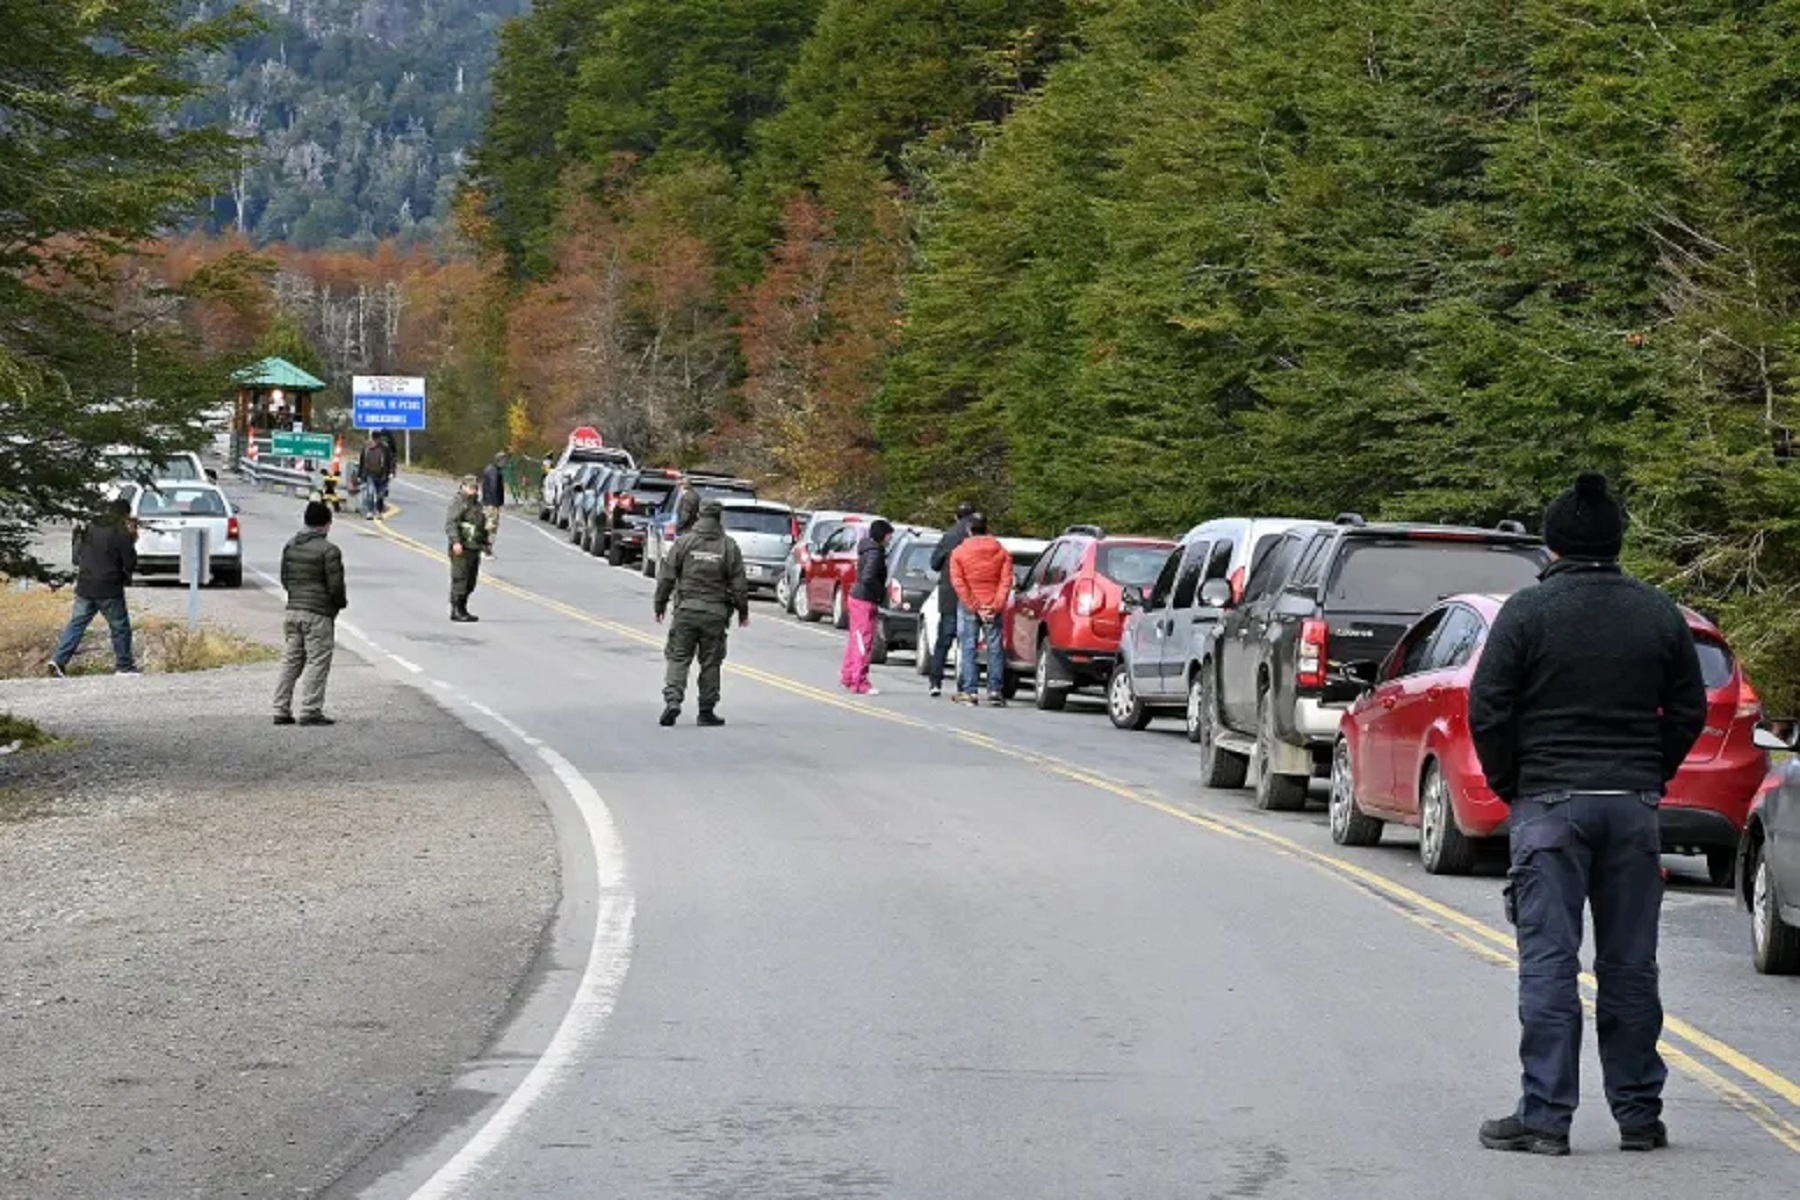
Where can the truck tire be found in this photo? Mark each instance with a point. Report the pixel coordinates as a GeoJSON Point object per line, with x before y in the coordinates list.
{"type": "Point", "coordinates": [615, 552]}
{"type": "Point", "coordinates": [1274, 793]}
{"type": "Point", "coordinates": [1219, 768]}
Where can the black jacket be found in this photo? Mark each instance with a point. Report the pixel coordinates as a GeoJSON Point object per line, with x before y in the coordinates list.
{"type": "Point", "coordinates": [312, 571]}
{"type": "Point", "coordinates": [493, 486]}
{"type": "Point", "coordinates": [376, 462]}
{"type": "Point", "coordinates": [105, 557]}
{"type": "Point", "coordinates": [940, 562]}
{"type": "Point", "coordinates": [871, 571]}
{"type": "Point", "coordinates": [704, 573]}
{"type": "Point", "coordinates": [1589, 680]}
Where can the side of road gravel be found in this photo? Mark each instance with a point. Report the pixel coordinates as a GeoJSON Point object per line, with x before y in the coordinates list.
{"type": "Point", "coordinates": [235, 958]}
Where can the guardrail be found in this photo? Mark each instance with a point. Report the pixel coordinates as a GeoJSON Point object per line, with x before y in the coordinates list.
{"type": "Point", "coordinates": [302, 477]}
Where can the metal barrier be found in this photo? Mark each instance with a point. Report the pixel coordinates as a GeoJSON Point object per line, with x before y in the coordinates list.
{"type": "Point", "coordinates": [302, 477]}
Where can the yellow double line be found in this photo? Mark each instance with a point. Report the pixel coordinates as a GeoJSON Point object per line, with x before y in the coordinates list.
{"type": "Point", "coordinates": [1682, 1041]}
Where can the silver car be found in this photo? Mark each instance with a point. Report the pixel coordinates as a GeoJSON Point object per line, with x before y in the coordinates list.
{"type": "Point", "coordinates": [764, 530]}
{"type": "Point", "coordinates": [166, 507]}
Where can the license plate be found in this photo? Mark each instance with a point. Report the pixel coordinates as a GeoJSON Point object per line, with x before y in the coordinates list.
{"type": "Point", "coordinates": [759, 572]}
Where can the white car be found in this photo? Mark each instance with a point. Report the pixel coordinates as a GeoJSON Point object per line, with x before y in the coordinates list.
{"type": "Point", "coordinates": [139, 466]}
{"type": "Point", "coordinates": [1025, 553]}
{"type": "Point", "coordinates": [584, 447]}
{"type": "Point", "coordinates": [166, 507]}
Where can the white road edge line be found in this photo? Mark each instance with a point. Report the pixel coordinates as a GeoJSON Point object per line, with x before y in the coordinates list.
{"type": "Point", "coordinates": [608, 959]}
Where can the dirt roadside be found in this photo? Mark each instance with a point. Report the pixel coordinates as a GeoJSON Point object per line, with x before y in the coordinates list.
{"type": "Point", "coordinates": [235, 958]}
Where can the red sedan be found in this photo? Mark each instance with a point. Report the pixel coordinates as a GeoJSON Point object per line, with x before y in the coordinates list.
{"type": "Point", "coordinates": [1404, 753]}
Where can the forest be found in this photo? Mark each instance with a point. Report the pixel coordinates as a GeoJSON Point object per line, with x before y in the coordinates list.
{"type": "Point", "coordinates": [1142, 262]}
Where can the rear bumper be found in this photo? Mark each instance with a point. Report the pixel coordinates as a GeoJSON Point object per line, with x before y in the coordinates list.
{"type": "Point", "coordinates": [1479, 813]}
{"type": "Point", "coordinates": [170, 564]}
{"type": "Point", "coordinates": [763, 576]}
{"type": "Point", "coordinates": [1686, 828]}
{"type": "Point", "coordinates": [1085, 668]}
{"type": "Point", "coordinates": [900, 630]}
{"type": "Point", "coordinates": [628, 537]}
{"type": "Point", "coordinates": [1316, 722]}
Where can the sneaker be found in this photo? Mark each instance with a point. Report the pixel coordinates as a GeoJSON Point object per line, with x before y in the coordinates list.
{"type": "Point", "coordinates": [966, 698]}
{"type": "Point", "coordinates": [133, 670]}
{"type": "Point", "coordinates": [1643, 1138]}
{"type": "Point", "coordinates": [670, 715]}
{"type": "Point", "coordinates": [1510, 1133]}
{"type": "Point", "coordinates": [710, 719]}
{"type": "Point", "coordinates": [315, 719]}
{"type": "Point", "coordinates": [996, 701]}
{"type": "Point", "coordinates": [57, 672]}
{"type": "Point", "coordinates": [936, 691]}
{"type": "Point", "coordinates": [284, 718]}
{"type": "Point", "coordinates": [870, 692]}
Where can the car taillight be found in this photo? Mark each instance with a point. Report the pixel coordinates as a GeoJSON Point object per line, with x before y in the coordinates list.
{"type": "Point", "coordinates": [794, 530]}
{"type": "Point", "coordinates": [627, 503]}
{"type": "Point", "coordinates": [1314, 634]}
{"type": "Point", "coordinates": [1088, 599]}
{"type": "Point", "coordinates": [1749, 703]}
{"type": "Point", "coordinates": [1237, 586]}
{"type": "Point", "coordinates": [231, 530]}
{"type": "Point", "coordinates": [895, 595]}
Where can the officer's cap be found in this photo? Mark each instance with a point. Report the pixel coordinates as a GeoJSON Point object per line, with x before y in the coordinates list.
{"type": "Point", "coordinates": [711, 508]}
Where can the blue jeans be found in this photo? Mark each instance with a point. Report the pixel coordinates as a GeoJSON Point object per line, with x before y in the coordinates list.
{"type": "Point", "coordinates": [374, 496]}
{"type": "Point", "coordinates": [118, 622]}
{"type": "Point", "coordinates": [1571, 849]}
{"type": "Point", "coordinates": [968, 669]}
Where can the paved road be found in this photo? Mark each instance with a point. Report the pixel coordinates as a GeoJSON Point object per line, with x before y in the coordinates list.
{"type": "Point", "coordinates": [886, 948]}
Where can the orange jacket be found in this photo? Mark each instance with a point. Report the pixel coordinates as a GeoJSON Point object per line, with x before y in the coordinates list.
{"type": "Point", "coordinates": [981, 571]}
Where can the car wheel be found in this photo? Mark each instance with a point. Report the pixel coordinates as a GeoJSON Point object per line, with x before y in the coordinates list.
{"type": "Point", "coordinates": [1122, 703]}
{"type": "Point", "coordinates": [878, 653]}
{"type": "Point", "coordinates": [1275, 793]}
{"type": "Point", "coordinates": [651, 566]}
{"type": "Point", "coordinates": [784, 593]}
{"type": "Point", "coordinates": [1443, 847]}
{"type": "Point", "coordinates": [1009, 684]}
{"type": "Point", "coordinates": [1350, 825]}
{"type": "Point", "coordinates": [1776, 943]}
{"type": "Point", "coordinates": [840, 609]}
{"type": "Point", "coordinates": [1047, 698]}
{"type": "Point", "coordinates": [1219, 768]}
{"type": "Point", "coordinates": [229, 577]}
{"type": "Point", "coordinates": [1721, 866]}
{"type": "Point", "coordinates": [922, 655]}
{"type": "Point", "coordinates": [615, 552]}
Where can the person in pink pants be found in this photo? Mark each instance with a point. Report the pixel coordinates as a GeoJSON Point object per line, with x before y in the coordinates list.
{"type": "Point", "coordinates": [865, 605]}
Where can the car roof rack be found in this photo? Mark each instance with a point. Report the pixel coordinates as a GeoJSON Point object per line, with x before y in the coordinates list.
{"type": "Point", "coordinates": [1349, 518]}
{"type": "Point", "coordinates": [1093, 531]}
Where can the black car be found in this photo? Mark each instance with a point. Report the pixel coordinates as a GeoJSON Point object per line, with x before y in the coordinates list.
{"type": "Point", "coordinates": [620, 519]}
{"type": "Point", "coordinates": [1271, 689]}
{"type": "Point", "coordinates": [1769, 859]}
{"type": "Point", "coordinates": [910, 580]}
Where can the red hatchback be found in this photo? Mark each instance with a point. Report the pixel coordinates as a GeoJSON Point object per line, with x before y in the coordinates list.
{"type": "Point", "coordinates": [1404, 753]}
{"type": "Point", "coordinates": [829, 572]}
{"type": "Point", "coordinates": [1064, 622]}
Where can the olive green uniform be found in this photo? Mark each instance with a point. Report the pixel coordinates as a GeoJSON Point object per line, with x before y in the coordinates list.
{"type": "Point", "coordinates": [465, 523]}
{"type": "Point", "coordinates": [705, 573]}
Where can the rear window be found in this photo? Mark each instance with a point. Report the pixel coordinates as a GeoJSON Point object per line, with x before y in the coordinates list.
{"type": "Point", "coordinates": [724, 491]}
{"type": "Point", "coordinates": [915, 563]}
{"type": "Point", "coordinates": [182, 502]}
{"type": "Point", "coordinates": [759, 520]}
{"type": "Point", "coordinates": [1716, 663]}
{"type": "Point", "coordinates": [1410, 575]}
{"type": "Point", "coordinates": [138, 466]}
{"type": "Point", "coordinates": [1132, 566]}
{"type": "Point", "coordinates": [823, 530]}
{"type": "Point", "coordinates": [656, 489]}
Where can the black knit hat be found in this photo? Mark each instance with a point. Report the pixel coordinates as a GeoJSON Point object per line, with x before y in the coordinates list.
{"type": "Point", "coordinates": [1587, 521]}
{"type": "Point", "coordinates": [881, 529]}
{"type": "Point", "coordinates": [318, 514]}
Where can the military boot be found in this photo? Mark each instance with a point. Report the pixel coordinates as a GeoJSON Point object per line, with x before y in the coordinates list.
{"type": "Point", "coordinates": [670, 714]}
{"type": "Point", "coordinates": [710, 719]}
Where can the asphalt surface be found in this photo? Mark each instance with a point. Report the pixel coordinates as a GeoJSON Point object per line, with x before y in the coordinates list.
{"type": "Point", "coordinates": [235, 959]}
{"type": "Point", "coordinates": [888, 948]}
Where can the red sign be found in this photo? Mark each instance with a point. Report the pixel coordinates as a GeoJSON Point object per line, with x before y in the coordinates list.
{"type": "Point", "coordinates": [586, 438]}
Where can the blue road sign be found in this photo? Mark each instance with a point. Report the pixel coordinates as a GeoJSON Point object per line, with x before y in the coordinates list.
{"type": "Point", "coordinates": [387, 402]}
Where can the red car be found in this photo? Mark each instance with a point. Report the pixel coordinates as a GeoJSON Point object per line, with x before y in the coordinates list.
{"type": "Point", "coordinates": [828, 572]}
{"type": "Point", "coordinates": [1404, 753]}
{"type": "Point", "coordinates": [1065, 620]}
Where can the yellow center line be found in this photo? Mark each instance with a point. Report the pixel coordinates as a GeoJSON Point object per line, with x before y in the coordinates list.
{"type": "Point", "coordinates": [1486, 942]}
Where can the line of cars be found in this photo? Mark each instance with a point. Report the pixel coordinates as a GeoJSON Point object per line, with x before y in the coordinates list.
{"type": "Point", "coordinates": [1296, 651]}
{"type": "Point", "coordinates": [169, 495]}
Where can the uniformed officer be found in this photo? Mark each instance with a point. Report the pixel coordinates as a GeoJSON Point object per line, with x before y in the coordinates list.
{"type": "Point", "coordinates": [466, 529]}
{"type": "Point", "coordinates": [705, 574]}
{"type": "Point", "coordinates": [1588, 697]}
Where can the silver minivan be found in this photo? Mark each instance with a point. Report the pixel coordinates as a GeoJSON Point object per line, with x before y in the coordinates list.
{"type": "Point", "coordinates": [764, 531]}
{"type": "Point", "coordinates": [1167, 627]}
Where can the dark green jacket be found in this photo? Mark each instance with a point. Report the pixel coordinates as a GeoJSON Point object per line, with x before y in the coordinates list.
{"type": "Point", "coordinates": [466, 523]}
{"type": "Point", "coordinates": [687, 510]}
{"type": "Point", "coordinates": [312, 571]}
{"type": "Point", "coordinates": [706, 570]}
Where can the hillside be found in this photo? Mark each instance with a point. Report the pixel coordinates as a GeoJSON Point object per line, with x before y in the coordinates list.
{"type": "Point", "coordinates": [363, 110]}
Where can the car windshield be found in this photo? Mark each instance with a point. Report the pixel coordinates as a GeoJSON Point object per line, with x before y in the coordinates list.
{"type": "Point", "coordinates": [759, 520]}
{"type": "Point", "coordinates": [1715, 662]}
{"type": "Point", "coordinates": [915, 563]}
{"type": "Point", "coordinates": [140, 466]}
{"type": "Point", "coordinates": [181, 502]}
{"type": "Point", "coordinates": [1132, 566]}
{"type": "Point", "coordinates": [1409, 575]}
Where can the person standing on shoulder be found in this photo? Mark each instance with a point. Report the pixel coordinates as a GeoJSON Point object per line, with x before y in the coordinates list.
{"type": "Point", "coordinates": [312, 573]}
{"type": "Point", "coordinates": [373, 469]}
{"type": "Point", "coordinates": [466, 530]}
{"type": "Point", "coordinates": [981, 571]}
{"type": "Point", "coordinates": [105, 558]}
{"type": "Point", "coordinates": [687, 506]}
{"type": "Point", "coordinates": [947, 604]}
{"type": "Point", "coordinates": [1579, 734]}
{"type": "Point", "coordinates": [493, 496]}
{"type": "Point", "coordinates": [865, 600]}
{"type": "Point", "coordinates": [704, 574]}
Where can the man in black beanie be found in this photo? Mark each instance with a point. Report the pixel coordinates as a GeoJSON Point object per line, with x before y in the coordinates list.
{"type": "Point", "coordinates": [1587, 700]}
{"type": "Point", "coordinates": [312, 572]}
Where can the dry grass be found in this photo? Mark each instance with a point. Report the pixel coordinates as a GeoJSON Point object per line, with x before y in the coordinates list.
{"type": "Point", "coordinates": [32, 619]}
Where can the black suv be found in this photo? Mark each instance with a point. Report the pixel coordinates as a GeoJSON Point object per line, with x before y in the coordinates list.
{"type": "Point", "coordinates": [620, 518]}
{"type": "Point", "coordinates": [1272, 688]}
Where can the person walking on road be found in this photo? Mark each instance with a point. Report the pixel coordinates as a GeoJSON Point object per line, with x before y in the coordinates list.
{"type": "Point", "coordinates": [947, 604]}
{"type": "Point", "coordinates": [865, 600]}
{"type": "Point", "coordinates": [704, 574]}
{"type": "Point", "coordinates": [373, 470]}
{"type": "Point", "coordinates": [105, 558]}
{"type": "Point", "coordinates": [1579, 734]}
{"type": "Point", "coordinates": [687, 506]}
{"type": "Point", "coordinates": [466, 529]}
{"type": "Point", "coordinates": [312, 573]}
{"type": "Point", "coordinates": [981, 571]}
{"type": "Point", "coordinates": [493, 496]}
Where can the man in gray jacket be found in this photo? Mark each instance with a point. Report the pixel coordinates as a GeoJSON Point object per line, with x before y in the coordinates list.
{"type": "Point", "coordinates": [312, 571]}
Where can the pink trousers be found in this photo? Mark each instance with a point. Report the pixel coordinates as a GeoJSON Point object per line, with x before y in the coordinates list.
{"type": "Point", "coordinates": [860, 647]}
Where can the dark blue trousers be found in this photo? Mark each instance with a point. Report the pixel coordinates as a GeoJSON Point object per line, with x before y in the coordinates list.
{"type": "Point", "coordinates": [1571, 850]}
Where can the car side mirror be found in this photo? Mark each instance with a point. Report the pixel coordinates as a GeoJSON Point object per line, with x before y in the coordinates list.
{"type": "Point", "coordinates": [236, 508]}
{"type": "Point", "coordinates": [1131, 598]}
{"type": "Point", "coordinates": [1777, 735]}
{"type": "Point", "coordinates": [1216, 593]}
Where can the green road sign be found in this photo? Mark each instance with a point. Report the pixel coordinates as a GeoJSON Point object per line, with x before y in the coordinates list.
{"type": "Point", "coordinates": [301, 445]}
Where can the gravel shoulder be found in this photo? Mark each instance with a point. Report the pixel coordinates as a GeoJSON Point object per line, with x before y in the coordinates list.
{"type": "Point", "coordinates": [233, 958]}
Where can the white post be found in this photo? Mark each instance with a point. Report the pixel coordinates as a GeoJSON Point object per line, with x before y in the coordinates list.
{"type": "Point", "coordinates": [408, 434]}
